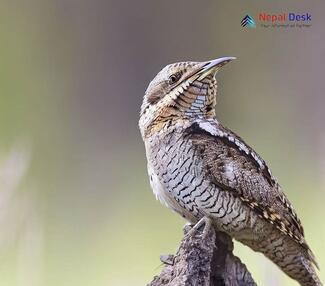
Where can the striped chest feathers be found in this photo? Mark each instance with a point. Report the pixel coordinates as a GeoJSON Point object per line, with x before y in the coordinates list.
{"type": "Point", "coordinates": [174, 171]}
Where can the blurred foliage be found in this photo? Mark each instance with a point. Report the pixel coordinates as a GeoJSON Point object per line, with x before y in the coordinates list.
{"type": "Point", "coordinates": [76, 208]}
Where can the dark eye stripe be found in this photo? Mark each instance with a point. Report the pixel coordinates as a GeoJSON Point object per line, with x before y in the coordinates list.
{"type": "Point", "coordinates": [152, 99]}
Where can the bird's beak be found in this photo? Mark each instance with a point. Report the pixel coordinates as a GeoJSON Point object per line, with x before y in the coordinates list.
{"type": "Point", "coordinates": [213, 66]}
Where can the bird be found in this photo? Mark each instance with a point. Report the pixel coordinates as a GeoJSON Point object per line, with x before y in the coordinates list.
{"type": "Point", "coordinates": [208, 174]}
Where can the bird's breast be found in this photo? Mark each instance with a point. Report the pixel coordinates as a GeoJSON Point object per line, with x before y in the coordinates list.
{"type": "Point", "coordinates": [179, 179]}
{"type": "Point", "coordinates": [174, 173]}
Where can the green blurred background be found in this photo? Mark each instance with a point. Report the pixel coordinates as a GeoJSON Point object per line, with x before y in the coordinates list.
{"type": "Point", "coordinates": [75, 203]}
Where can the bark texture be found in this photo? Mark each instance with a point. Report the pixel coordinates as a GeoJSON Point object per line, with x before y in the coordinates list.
{"type": "Point", "coordinates": [204, 262]}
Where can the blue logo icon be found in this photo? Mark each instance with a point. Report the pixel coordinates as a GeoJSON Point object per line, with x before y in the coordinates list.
{"type": "Point", "coordinates": [248, 21]}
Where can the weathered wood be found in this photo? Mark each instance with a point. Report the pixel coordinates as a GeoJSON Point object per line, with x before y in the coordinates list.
{"type": "Point", "coordinates": [204, 262]}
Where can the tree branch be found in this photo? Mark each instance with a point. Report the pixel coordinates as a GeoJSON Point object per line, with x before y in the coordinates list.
{"type": "Point", "coordinates": [204, 262]}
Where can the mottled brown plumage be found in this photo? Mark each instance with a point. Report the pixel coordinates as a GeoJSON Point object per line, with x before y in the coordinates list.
{"type": "Point", "coordinates": [199, 168]}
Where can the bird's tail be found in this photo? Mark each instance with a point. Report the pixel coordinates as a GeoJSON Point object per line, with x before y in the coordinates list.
{"type": "Point", "coordinates": [304, 272]}
{"type": "Point", "coordinates": [294, 259]}
{"type": "Point", "coordinates": [304, 265]}
{"type": "Point", "coordinates": [297, 263]}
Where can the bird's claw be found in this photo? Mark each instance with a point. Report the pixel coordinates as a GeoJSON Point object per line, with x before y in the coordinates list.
{"type": "Point", "coordinates": [207, 226]}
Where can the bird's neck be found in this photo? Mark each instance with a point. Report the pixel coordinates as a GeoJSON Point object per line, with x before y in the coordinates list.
{"type": "Point", "coordinates": [162, 128]}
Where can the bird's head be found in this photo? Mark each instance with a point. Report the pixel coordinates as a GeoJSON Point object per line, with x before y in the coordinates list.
{"type": "Point", "coordinates": [180, 91]}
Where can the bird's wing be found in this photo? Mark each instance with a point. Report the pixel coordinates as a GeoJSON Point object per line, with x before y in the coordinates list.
{"type": "Point", "coordinates": [233, 166]}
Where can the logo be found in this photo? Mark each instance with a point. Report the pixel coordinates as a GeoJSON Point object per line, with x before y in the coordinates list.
{"type": "Point", "coordinates": [278, 20]}
{"type": "Point", "coordinates": [284, 17]}
{"type": "Point", "coordinates": [248, 21]}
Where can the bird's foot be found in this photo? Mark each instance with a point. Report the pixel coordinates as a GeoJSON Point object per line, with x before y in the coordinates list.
{"type": "Point", "coordinates": [187, 227]}
{"type": "Point", "coordinates": [207, 222]}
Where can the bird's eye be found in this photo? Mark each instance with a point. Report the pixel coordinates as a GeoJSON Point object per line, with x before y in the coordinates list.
{"type": "Point", "coordinates": [174, 78]}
